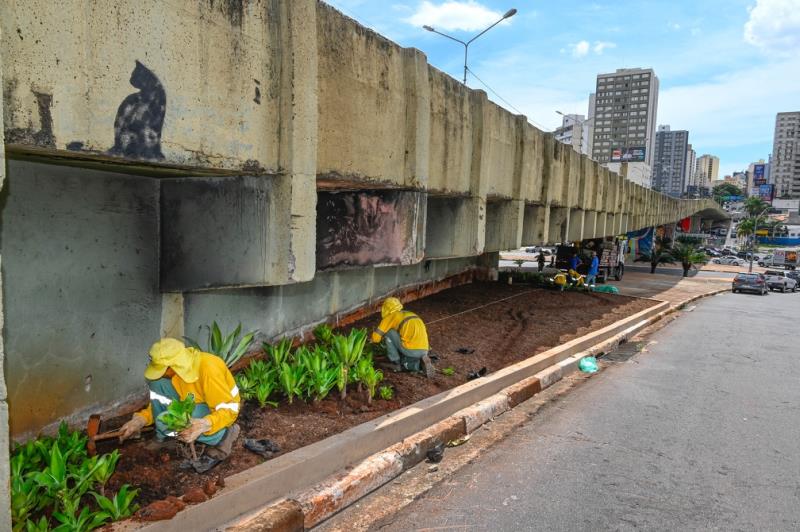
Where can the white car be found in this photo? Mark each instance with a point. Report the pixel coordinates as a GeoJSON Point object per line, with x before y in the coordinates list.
{"type": "Point", "coordinates": [728, 260]}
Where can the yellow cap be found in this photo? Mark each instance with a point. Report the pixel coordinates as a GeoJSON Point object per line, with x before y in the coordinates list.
{"type": "Point", "coordinates": [390, 306]}
{"type": "Point", "coordinates": [171, 353]}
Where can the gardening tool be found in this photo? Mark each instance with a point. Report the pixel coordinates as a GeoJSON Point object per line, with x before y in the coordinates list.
{"type": "Point", "coordinates": [92, 429]}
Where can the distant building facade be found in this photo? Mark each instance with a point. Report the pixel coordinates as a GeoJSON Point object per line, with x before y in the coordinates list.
{"type": "Point", "coordinates": [670, 161]}
{"type": "Point", "coordinates": [785, 168]}
{"type": "Point", "coordinates": [706, 171]}
{"type": "Point", "coordinates": [574, 131]}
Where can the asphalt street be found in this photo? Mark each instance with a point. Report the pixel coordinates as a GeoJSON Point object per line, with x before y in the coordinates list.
{"type": "Point", "coordinates": [700, 431]}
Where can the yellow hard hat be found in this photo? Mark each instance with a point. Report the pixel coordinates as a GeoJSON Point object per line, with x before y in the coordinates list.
{"type": "Point", "coordinates": [171, 353]}
{"type": "Point", "coordinates": [560, 279]}
{"type": "Point", "coordinates": [390, 306]}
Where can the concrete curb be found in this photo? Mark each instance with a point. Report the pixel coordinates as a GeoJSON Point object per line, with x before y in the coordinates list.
{"type": "Point", "coordinates": [327, 498]}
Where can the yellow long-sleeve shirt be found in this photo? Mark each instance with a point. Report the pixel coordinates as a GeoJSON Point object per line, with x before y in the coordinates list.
{"type": "Point", "coordinates": [215, 387]}
{"type": "Point", "coordinates": [411, 328]}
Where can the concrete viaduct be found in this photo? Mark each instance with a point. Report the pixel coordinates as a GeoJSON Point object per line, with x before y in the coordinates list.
{"type": "Point", "coordinates": [270, 162]}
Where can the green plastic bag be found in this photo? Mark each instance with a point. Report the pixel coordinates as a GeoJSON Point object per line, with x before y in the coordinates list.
{"type": "Point", "coordinates": [606, 288]}
{"type": "Point", "coordinates": [588, 365]}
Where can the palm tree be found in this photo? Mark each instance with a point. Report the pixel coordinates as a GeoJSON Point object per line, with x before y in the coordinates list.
{"type": "Point", "coordinates": [746, 227]}
{"type": "Point", "coordinates": [687, 254]}
{"type": "Point", "coordinates": [755, 206]}
{"type": "Point", "coordinates": [658, 254]}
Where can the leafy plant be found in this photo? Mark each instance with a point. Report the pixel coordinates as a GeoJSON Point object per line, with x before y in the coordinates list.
{"type": "Point", "coordinates": [291, 379]}
{"type": "Point", "coordinates": [263, 391]}
{"type": "Point", "coordinates": [178, 414]}
{"type": "Point", "coordinates": [105, 468]}
{"type": "Point", "coordinates": [386, 393]}
{"type": "Point", "coordinates": [323, 334]}
{"type": "Point", "coordinates": [687, 255]}
{"type": "Point", "coordinates": [229, 348]}
{"type": "Point", "coordinates": [121, 505]}
{"type": "Point", "coordinates": [42, 525]}
{"type": "Point", "coordinates": [371, 378]}
{"type": "Point", "coordinates": [73, 521]}
{"type": "Point", "coordinates": [280, 352]}
{"type": "Point", "coordinates": [321, 374]}
{"type": "Point", "coordinates": [448, 371]}
{"type": "Point", "coordinates": [348, 349]}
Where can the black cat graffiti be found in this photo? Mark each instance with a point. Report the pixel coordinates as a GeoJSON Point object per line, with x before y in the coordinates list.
{"type": "Point", "coordinates": [140, 117]}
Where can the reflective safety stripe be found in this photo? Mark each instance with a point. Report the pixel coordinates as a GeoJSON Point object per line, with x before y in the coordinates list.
{"type": "Point", "coordinates": [379, 332]}
{"type": "Point", "coordinates": [160, 398]}
{"type": "Point", "coordinates": [235, 391]}
{"type": "Point", "coordinates": [228, 406]}
{"type": "Point", "coordinates": [171, 434]}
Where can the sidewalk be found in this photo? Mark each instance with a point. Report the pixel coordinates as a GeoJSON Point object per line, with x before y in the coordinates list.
{"type": "Point", "coordinates": [669, 288]}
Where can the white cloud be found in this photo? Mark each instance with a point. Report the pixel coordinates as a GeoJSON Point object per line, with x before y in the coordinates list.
{"type": "Point", "coordinates": [774, 25]}
{"type": "Point", "coordinates": [454, 15]}
{"type": "Point", "coordinates": [580, 49]}
{"type": "Point", "coordinates": [599, 46]}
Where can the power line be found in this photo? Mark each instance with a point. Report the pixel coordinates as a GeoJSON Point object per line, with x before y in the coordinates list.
{"type": "Point", "coordinates": [540, 126]}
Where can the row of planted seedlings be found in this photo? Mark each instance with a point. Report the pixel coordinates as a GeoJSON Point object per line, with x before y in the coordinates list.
{"type": "Point", "coordinates": [56, 486]}
{"type": "Point", "coordinates": [311, 372]}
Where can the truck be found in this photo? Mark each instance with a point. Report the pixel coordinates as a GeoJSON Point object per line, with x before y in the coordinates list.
{"type": "Point", "coordinates": [610, 251]}
{"type": "Point", "coordinates": [784, 258]}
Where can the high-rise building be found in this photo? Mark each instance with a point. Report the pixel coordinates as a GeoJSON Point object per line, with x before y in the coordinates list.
{"type": "Point", "coordinates": [706, 171]}
{"type": "Point", "coordinates": [756, 175]}
{"type": "Point", "coordinates": [785, 167]}
{"type": "Point", "coordinates": [691, 165]}
{"type": "Point", "coordinates": [624, 122]}
{"type": "Point", "coordinates": [590, 123]}
{"type": "Point", "coordinates": [669, 161]}
{"type": "Point", "coordinates": [575, 132]}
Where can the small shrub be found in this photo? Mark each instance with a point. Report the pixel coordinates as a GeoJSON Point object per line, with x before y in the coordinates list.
{"type": "Point", "coordinates": [229, 348]}
{"type": "Point", "coordinates": [386, 393]}
{"type": "Point", "coordinates": [448, 371]}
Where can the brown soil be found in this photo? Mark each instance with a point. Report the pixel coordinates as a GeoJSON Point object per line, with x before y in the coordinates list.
{"type": "Point", "coordinates": [513, 323]}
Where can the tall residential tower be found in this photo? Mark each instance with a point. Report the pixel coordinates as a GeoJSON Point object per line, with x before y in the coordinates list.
{"type": "Point", "coordinates": [669, 161]}
{"type": "Point", "coordinates": [785, 165]}
{"type": "Point", "coordinates": [624, 123]}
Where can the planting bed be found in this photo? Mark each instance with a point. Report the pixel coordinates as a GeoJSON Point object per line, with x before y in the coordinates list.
{"type": "Point", "coordinates": [498, 323]}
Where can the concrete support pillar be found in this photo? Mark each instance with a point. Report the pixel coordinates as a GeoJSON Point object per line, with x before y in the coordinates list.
{"type": "Point", "coordinates": [5, 502]}
{"type": "Point", "coordinates": [536, 225]}
{"type": "Point", "coordinates": [558, 230]}
{"type": "Point", "coordinates": [504, 224]}
{"type": "Point", "coordinates": [418, 118]}
{"type": "Point", "coordinates": [576, 220]}
{"type": "Point", "coordinates": [590, 224]}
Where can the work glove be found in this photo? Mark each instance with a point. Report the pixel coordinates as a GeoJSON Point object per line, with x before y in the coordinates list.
{"type": "Point", "coordinates": [132, 427]}
{"type": "Point", "coordinates": [199, 426]}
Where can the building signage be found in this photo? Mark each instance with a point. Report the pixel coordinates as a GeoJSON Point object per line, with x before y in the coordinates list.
{"type": "Point", "coordinates": [633, 154]}
{"type": "Point", "coordinates": [759, 175]}
{"type": "Point", "coordinates": [766, 193]}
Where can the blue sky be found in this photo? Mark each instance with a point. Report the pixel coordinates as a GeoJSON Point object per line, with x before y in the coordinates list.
{"type": "Point", "coordinates": [726, 67]}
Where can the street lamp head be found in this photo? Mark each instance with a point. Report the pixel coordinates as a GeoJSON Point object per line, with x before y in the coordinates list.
{"type": "Point", "coordinates": [560, 113]}
{"type": "Point", "coordinates": [510, 13]}
{"type": "Point", "coordinates": [429, 28]}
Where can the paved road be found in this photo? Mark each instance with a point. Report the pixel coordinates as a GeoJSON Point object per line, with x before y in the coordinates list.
{"type": "Point", "coordinates": [700, 431]}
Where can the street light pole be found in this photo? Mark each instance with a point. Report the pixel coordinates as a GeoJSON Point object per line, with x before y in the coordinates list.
{"type": "Point", "coordinates": [510, 13]}
{"type": "Point", "coordinates": [753, 238]}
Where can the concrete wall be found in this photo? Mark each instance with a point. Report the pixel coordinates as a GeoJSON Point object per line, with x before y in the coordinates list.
{"type": "Point", "coordinates": [187, 145]}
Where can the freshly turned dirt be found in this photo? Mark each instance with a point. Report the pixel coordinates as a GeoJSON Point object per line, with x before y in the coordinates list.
{"type": "Point", "coordinates": [503, 324]}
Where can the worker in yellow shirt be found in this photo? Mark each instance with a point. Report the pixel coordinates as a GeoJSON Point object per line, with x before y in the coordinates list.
{"type": "Point", "coordinates": [174, 372]}
{"type": "Point", "coordinates": [405, 337]}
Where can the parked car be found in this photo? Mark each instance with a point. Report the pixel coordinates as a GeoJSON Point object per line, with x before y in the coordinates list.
{"type": "Point", "coordinates": [778, 280]}
{"type": "Point", "coordinates": [750, 282]}
{"type": "Point", "coordinates": [729, 260]}
{"type": "Point", "coordinates": [726, 251]}
{"type": "Point", "coordinates": [536, 249]}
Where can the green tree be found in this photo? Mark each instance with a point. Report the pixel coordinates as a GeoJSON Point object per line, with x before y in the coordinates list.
{"type": "Point", "coordinates": [755, 206]}
{"type": "Point", "coordinates": [726, 189]}
{"type": "Point", "coordinates": [687, 254]}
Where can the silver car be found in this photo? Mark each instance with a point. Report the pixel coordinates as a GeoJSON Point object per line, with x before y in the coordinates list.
{"type": "Point", "coordinates": [780, 280]}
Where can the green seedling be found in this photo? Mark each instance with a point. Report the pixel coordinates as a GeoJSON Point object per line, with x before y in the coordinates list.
{"type": "Point", "coordinates": [386, 393]}
{"type": "Point", "coordinates": [42, 525]}
{"type": "Point", "coordinates": [321, 376]}
{"type": "Point", "coordinates": [73, 521]}
{"type": "Point", "coordinates": [105, 468]}
{"type": "Point", "coordinates": [292, 379]}
{"type": "Point", "coordinates": [371, 378]}
{"type": "Point", "coordinates": [447, 372]}
{"type": "Point", "coordinates": [263, 391]}
{"type": "Point", "coordinates": [121, 505]}
{"type": "Point", "coordinates": [178, 414]}
{"type": "Point", "coordinates": [323, 334]}
{"type": "Point", "coordinates": [347, 350]}
{"type": "Point", "coordinates": [280, 352]}
{"type": "Point", "coordinates": [229, 348]}
{"type": "Point", "coordinates": [246, 386]}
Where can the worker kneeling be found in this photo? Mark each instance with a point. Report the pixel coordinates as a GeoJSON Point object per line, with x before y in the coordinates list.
{"type": "Point", "coordinates": [174, 372]}
{"type": "Point", "coordinates": [405, 337]}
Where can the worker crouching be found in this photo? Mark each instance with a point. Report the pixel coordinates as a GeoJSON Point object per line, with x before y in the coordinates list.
{"type": "Point", "coordinates": [405, 337]}
{"type": "Point", "coordinates": [174, 372]}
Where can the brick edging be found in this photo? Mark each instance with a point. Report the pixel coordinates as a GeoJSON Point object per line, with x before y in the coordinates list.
{"type": "Point", "coordinates": [318, 503]}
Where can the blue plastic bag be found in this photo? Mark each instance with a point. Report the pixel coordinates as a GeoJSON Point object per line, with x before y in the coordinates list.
{"type": "Point", "coordinates": [588, 365]}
